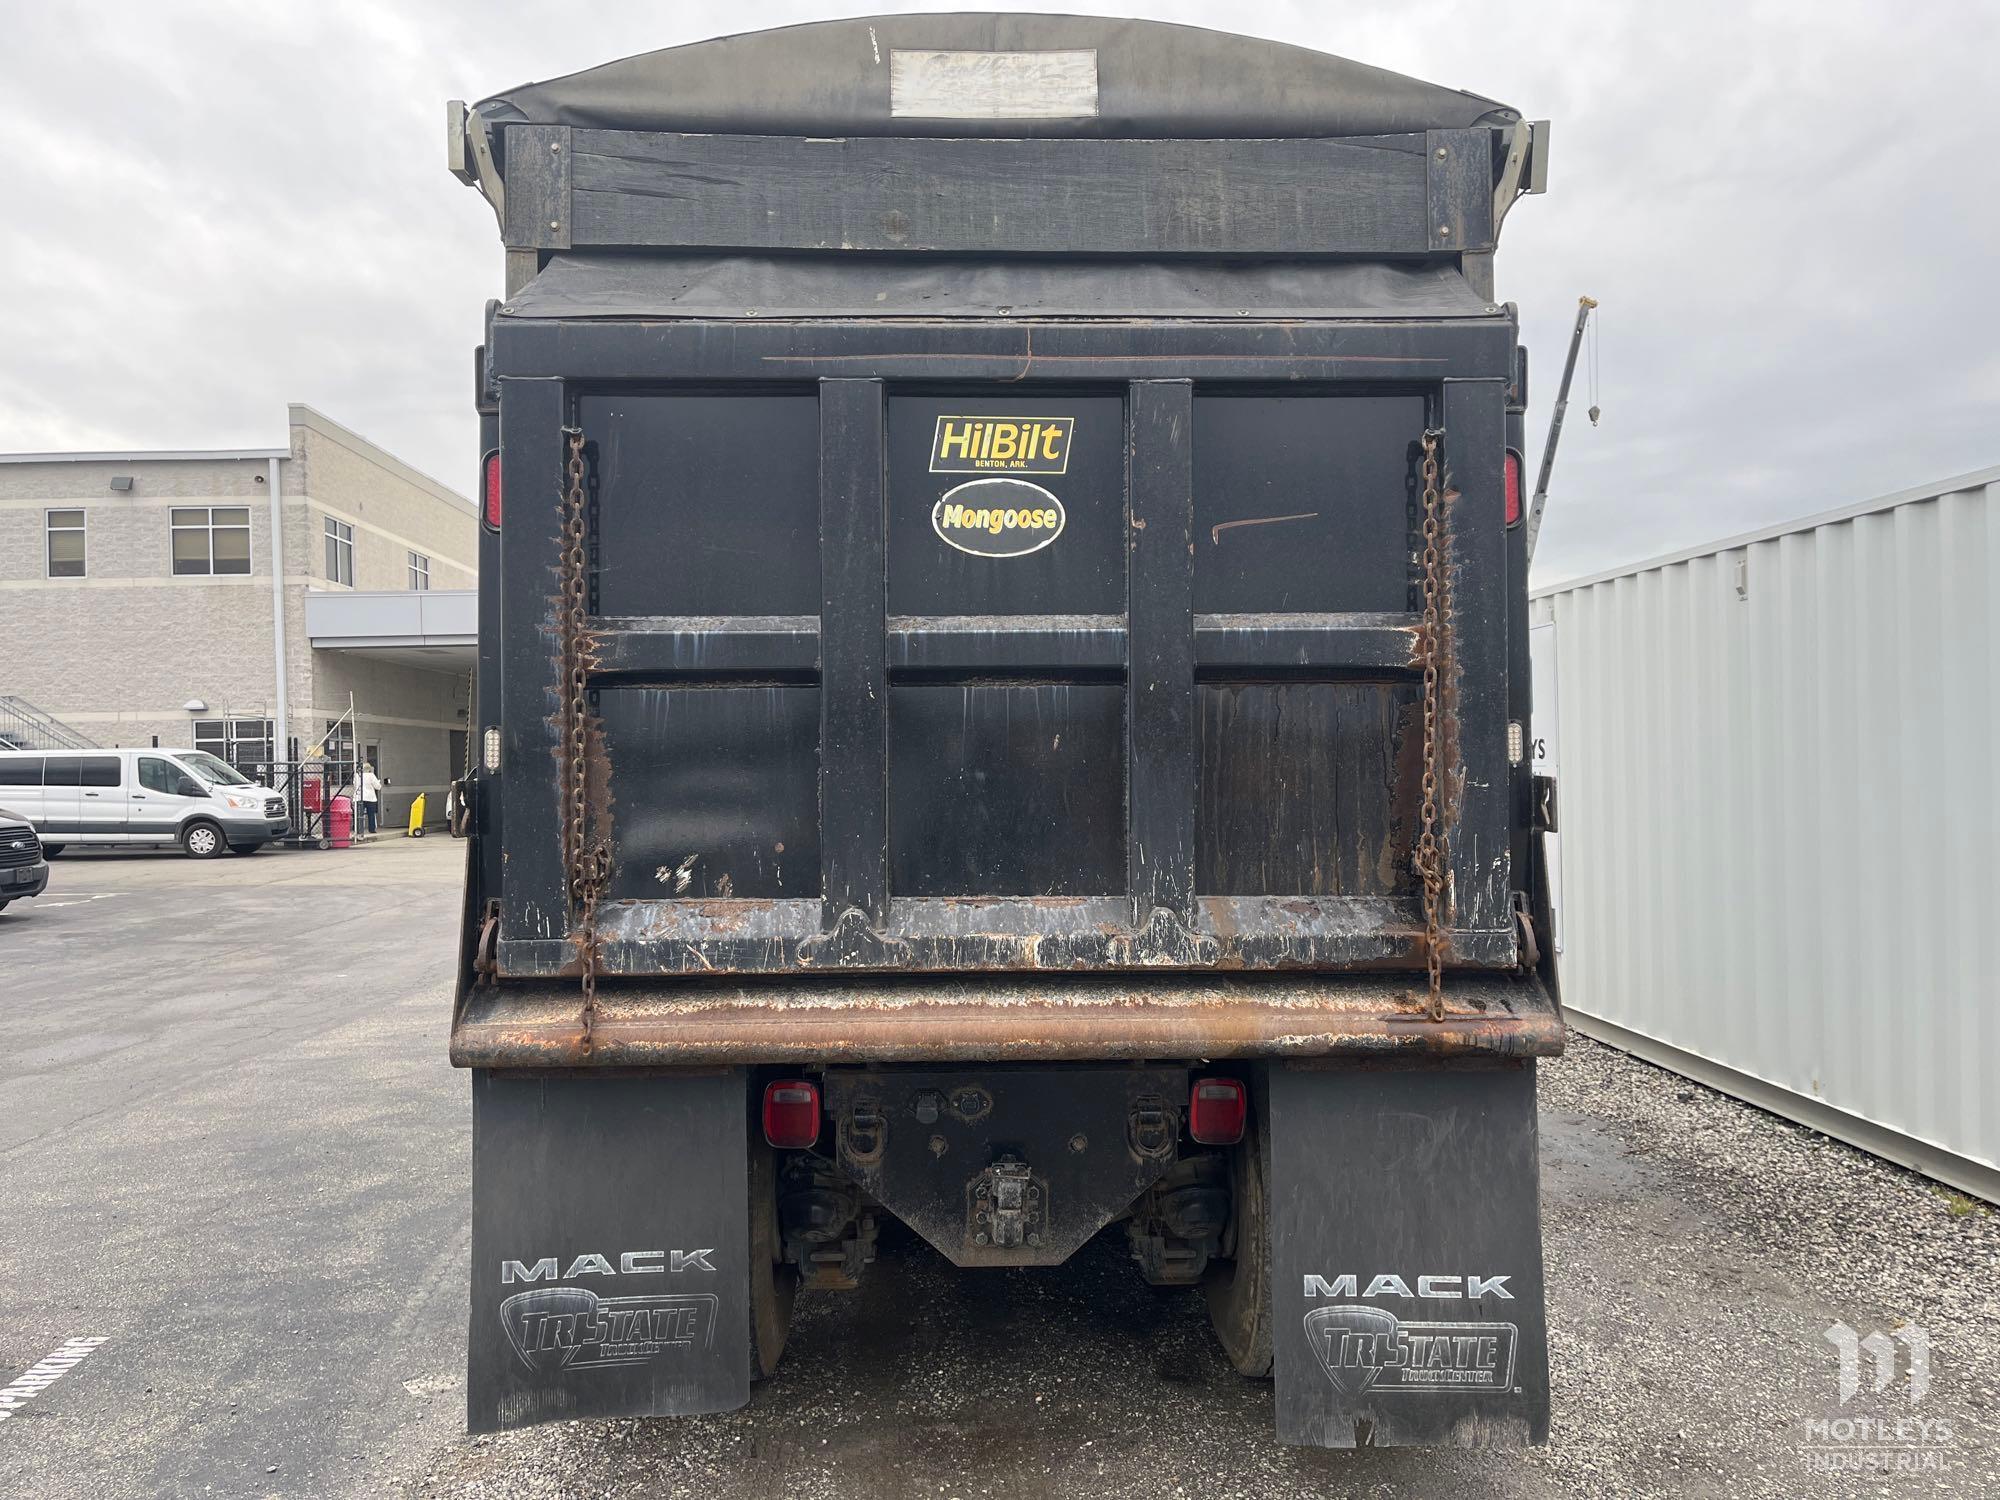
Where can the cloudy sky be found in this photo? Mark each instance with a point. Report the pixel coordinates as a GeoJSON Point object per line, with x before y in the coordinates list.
{"type": "Point", "coordinates": [1789, 212]}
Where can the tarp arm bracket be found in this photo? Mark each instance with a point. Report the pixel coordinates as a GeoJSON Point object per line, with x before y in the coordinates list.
{"type": "Point", "coordinates": [1520, 142]}
{"type": "Point", "coordinates": [469, 155]}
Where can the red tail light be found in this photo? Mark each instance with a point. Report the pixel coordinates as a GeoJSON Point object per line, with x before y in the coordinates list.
{"type": "Point", "coordinates": [492, 488]}
{"type": "Point", "coordinates": [791, 1114]}
{"type": "Point", "coordinates": [1217, 1108]}
{"type": "Point", "coordinates": [1513, 487]}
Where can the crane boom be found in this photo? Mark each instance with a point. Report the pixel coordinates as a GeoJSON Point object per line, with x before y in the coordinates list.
{"type": "Point", "coordinates": [1583, 308]}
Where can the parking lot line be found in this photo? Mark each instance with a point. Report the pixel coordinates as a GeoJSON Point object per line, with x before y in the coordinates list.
{"type": "Point", "coordinates": [31, 1382]}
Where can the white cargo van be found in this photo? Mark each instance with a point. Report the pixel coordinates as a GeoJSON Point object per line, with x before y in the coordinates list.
{"type": "Point", "coordinates": [184, 797]}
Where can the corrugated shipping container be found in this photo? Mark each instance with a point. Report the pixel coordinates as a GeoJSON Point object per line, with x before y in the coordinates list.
{"type": "Point", "coordinates": [1779, 818]}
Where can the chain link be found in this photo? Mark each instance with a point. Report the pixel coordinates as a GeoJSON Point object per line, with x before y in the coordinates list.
{"type": "Point", "coordinates": [1432, 853]}
{"type": "Point", "coordinates": [583, 865]}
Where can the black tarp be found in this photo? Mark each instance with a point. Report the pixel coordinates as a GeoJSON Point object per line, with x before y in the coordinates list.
{"type": "Point", "coordinates": [1150, 79]}
{"type": "Point", "coordinates": [875, 286]}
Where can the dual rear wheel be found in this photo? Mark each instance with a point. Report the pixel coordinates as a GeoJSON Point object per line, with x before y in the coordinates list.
{"type": "Point", "coordinates": [1238, 1284]}
{"type": "Point", "coordinates": [773, 1284]}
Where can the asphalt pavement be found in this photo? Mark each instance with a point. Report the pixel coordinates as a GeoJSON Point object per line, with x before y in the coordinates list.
{"type": "Point", "coordinates": [233, 1156]}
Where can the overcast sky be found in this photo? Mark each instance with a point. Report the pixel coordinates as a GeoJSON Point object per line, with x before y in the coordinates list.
{"type": "Point", "coordinates": [1789, 212]}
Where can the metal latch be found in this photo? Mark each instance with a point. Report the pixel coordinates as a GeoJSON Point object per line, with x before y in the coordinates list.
{"type": "Point", "coordinates": [1529, 945]}
{"type": "Point", "coordinates": [1543, 813]}
{"type": "Point", "coordinates": [486, 947]}
{"type": "Point", "coordinates": [1151, 1129]}
{"type": "Point", "coordinates": [1008, 1206]}
{"type": "Point", "coordinates": [862, 1133]}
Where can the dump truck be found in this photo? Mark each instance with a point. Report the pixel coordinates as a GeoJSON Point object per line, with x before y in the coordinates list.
{"type": "Point", "coordinates": [1002, 696]}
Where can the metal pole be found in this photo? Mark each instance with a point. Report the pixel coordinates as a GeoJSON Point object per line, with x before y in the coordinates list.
{"type": "Point", "coordinates": [1583, 307]}
{"type": "Point", "coordinates": [282, 729]}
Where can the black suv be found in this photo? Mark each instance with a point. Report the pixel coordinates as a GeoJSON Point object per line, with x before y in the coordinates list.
{"type": "Point", "coordinates": [23, 870]}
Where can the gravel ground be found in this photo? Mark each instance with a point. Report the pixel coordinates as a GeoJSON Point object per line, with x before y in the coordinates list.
{"type": "Point", "coordinates": [1698, 1250]}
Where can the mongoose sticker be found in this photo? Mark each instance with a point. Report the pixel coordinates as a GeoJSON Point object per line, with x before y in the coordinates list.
{"type": "Point", "coordinates": [1015, 445]}
{"type": "Point", "coordinates": [998, 518]}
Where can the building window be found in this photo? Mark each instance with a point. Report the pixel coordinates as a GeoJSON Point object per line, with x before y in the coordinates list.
{"type": "Point", "coordinates": [339, 551]}
{"type": "Point", "coordinates": [245, 743]}
{"type": "Point", "coordinates": [420, 571]}
{"type": "Point", "coordinates": [338, 746]}
{"type": "Point", "coordinates": [65, 543]}
{"type": "Point", "coordinates": [211, 539]}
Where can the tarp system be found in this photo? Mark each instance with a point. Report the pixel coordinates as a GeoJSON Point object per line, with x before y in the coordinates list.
{"type": "Point", "coordinates": [1004, 75]}
{"type": "Point", "coordinates": [847, 286]}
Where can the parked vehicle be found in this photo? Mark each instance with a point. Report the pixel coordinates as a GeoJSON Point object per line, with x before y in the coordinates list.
{"type": "Point", "coordinates": [1004, 704]}
{"type": "Point", "coordinates": [24, 872]}
{"type": "Point", "coordinates": [187, 798]}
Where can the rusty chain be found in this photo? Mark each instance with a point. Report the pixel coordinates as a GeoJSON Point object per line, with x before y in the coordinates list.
{"type": "Point", "coordinates": [1432, 852]}
{"type": "Point", "coordinates": [582, 864]}
{"type": "Point", "coordinates": [471, 721]}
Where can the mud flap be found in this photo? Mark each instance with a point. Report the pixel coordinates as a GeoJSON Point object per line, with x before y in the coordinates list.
{"type": "Point", "coordinates": [1407, 1257]}
{"type": "Point", "coordinates": [610, 1230]}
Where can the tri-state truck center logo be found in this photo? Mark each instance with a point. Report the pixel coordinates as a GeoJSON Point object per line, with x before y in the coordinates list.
{"type": "Point", "coordinates": [1012, 445]}
{"type": "Point", "coordinates": [559, 1327]}
{"type": "Point", "coordinates": [571, 1327]}
{"type": "Point", "coordinates": [1364, 1348]}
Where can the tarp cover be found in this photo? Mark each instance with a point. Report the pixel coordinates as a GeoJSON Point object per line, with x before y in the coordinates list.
{"type": "Point", "coordinates": [1073, 76]}
{"type": "Point", "coordinates": [851, 286]}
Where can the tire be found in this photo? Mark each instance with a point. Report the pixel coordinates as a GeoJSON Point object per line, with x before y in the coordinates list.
{"type": "Point", "coordinates": [1239, 1289]}
{"type": "Point", "coordinates": [50, 851]}
{"type": "Point", "coordinates": [202, 840]}
{"type": "Point", "coordinates": [773, 1285]}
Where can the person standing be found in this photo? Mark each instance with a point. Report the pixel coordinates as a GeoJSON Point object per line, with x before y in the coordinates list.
{"type": "Point", "coordinates": [371, 796]}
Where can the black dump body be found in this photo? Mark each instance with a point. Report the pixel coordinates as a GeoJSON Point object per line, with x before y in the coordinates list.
{"type": "Point", "coordinates": [995, 623]}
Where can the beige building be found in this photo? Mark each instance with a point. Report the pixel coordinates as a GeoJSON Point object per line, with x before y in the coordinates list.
{"type": "Point", "coordinates": [147, 609]}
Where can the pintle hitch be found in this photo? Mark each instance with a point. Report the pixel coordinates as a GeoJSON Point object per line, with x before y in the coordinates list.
{"type": "Point", "coordinates": [1006, 1205]}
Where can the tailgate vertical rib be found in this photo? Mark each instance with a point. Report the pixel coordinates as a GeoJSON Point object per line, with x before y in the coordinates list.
{"type": "Point", "coordinates": [1159, 697]}
{"type": "Point", "coordinates": [854, 684]}
{"type": "Point", "coordinates": [1475, 670]}
{"type": "Point", "coordinates": [534, 903]}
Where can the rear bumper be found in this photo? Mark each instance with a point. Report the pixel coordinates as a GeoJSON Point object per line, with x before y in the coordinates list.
{"type": "Point", "coordinates": [1006, 1020]}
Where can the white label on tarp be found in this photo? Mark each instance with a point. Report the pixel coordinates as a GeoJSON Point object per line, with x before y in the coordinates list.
{"type": "Point", "coordinates": [992, 85]}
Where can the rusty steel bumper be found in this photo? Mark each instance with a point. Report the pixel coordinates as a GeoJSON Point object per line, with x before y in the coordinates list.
{"type": "Point", "coordinates": [1013, 1019]}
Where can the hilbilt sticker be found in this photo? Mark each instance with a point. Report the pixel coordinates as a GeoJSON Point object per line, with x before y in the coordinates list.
{"type": "Point", "coordinates": [1012, 445]}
